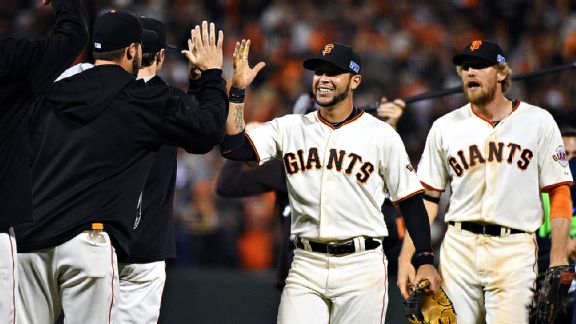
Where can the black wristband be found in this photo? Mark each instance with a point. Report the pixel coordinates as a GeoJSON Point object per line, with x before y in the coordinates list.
{"type": "Point", "coordinates": [429, 198]}
{"type": "Point", "coordinates": [236, 95]}
{"type": "Point", "coordinates": [422, 257]}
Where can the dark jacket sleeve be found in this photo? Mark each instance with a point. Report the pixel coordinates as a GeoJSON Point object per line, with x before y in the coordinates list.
{"type": "Point", "coordinates": [41, 61]}
{"type": "Point", "coordinates": [236, 180]}
{"type": "Point", "coordinates": [197, 123]}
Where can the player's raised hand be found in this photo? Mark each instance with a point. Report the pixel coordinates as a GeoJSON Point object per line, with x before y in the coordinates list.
{"type": "Point", "coordinates": [204, 48]}
{"type": "Point", "coordinates": [243, 75]}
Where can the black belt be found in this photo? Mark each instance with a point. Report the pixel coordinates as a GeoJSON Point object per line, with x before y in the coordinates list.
{"type": "Point", "coordinates": [337, 248]}
{"type": "Point", "coordinates": [486, 229]}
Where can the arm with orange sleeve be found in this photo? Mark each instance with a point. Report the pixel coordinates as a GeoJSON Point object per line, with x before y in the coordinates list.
{"type": "Point", "coordinates": [560, 219]}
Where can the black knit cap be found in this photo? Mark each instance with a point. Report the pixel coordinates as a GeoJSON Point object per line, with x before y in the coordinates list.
{"type": "Point", "coordinates": [481, 49]}
{"type": "Point", "coordinates": [340, 55]}
{"type": "Point", "coordinates": [154, 46]}
{"type": "Point", "coordinates": [118, 29]}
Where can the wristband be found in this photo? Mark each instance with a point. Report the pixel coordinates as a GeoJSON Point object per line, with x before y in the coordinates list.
{"type": "Point", "coordinates": [421, 258]}
{"type": "Point", "coordinates": [236, 95]}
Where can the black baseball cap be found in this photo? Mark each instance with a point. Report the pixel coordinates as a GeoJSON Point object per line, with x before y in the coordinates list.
{"type": "Point", "coordinates": [481, 49]}
{"type": "Point", "coordinates": [154, 46]}
{"type": "Point", "coordinates": [118, 29]}
{"type": "Point", "coordinates": [340, 55]}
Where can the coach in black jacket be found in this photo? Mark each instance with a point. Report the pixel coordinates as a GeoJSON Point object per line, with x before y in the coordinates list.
{"type": "Point", "coordinates": [94, 136]}
{"type": "Point", "coordinates": [25, 69]}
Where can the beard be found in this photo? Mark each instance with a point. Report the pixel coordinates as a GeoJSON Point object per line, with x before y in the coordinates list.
{"type": "Point", "coordinates": [482, 96]}
{"type": "Point", "coordinates": [136, 64]}
{"type": "Point", "coordinates": [336, 99]}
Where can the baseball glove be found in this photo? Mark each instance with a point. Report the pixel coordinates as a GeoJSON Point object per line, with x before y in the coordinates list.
{"type": "Point", "coordinates": [429, 308]}
{"type": "Point", "coordinates": [549, 299]}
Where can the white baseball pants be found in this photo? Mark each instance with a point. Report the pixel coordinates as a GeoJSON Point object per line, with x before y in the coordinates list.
{"type": "Point", "coordinates": [141, 287]}
{"type": "Point", "coordinates": [8, 277]}
{"type": "Point", "coordinates": [324, 289]}
{"type": "Point", "coordinates": [489, 278]}
{"type": "Point", "coordinates": [79, 277]}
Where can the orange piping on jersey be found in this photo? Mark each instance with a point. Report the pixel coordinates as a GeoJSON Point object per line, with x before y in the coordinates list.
{"type": "Point", "coordinates": [429, 187]}
{"type": "Point", "coordinates": [254, 148]}
{"type": "Point", "coordinates": [408, 196]}
{"type": "Point", "coordinates": [489, 121]}
{"type": "Point", "coordinates": [327, 123]}
{"type": "Point", "coordinates": [550, 187]}
{"type": "Point", "coordinates": [516, 105]}
{"type": "Point", "coordinates": [560, 202]}
{"type": "Point", "coordinates": [481, 117]}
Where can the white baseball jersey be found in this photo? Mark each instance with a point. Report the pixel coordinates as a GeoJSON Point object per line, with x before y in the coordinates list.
{"type": "Point", "coordinates": [496, 173]}
{"type": "Point", "coordinates": [337, 178]}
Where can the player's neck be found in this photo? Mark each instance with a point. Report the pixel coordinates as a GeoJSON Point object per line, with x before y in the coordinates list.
{"type": "Point", "coordinates": [338, 112]}
{"type": "Point", "coordinates": [495, 110]}
{"type": "Point", "coordinates": [147, 72]}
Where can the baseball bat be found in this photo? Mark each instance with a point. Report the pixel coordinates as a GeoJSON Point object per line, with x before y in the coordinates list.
{"type": "Point", "coordinates": [457, 89]}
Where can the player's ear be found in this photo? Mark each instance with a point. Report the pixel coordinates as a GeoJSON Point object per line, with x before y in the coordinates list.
{"type": "Point", "coordinates": [500, 75]}
{"type": "Point", "coordinates": [131, 51]}
{"type": "Point", "coordinates": [355, 81]}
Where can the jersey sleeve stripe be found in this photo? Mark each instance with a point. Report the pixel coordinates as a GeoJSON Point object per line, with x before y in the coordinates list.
{"type": "Point", "coordinates": [429, 187]}
{"type": "Point", "coordinates": [254, 148]}
{"type": "Point", "coordinates": [548, 188]}
{"type": "Point", "coordinates": [408, 196]}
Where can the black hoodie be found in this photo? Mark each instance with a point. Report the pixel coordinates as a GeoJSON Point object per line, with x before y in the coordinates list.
{"type": "Point", "coordinates": [93, 139]}
{"type": "Point", "coordinates": [26, 67]}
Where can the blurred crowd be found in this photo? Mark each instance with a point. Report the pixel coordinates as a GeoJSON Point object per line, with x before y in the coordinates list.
{"type": "Point", "coordinates": [406, 48]}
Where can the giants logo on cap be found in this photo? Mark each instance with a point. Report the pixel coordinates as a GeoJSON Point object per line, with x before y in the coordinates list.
{"type": "Point", "coordinates": [327, 49]}
{"type": "Point", "coordinates": [475, 45]}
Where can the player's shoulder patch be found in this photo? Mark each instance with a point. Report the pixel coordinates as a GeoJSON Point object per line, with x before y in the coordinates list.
{"type": "Point", "coordinates": [560, 156]}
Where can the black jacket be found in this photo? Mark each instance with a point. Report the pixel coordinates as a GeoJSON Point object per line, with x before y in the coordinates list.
{"type": "Point", "coordinates": [154, 235]}
{"type": "Point", "coordinates": [93, 140]}
{"type": "Point", "coordinates": [26, 67]}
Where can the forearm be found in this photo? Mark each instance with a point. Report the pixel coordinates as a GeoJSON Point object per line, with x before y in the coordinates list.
{"type": "Point", "coordinates": [408, 247]}
{"type": "Point", "coordinates": [417, 224]}
{"type": "Point", "coordinates": [235, 123]}
{"type": "Point", "coordinates": [560, 235]}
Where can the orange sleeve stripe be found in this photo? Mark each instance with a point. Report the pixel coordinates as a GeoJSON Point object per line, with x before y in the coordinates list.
{"type": "Point", "coordinates": [560, 202]}
{"type": "Point", "coordinates": [552, 186]}
{"type": "Point", "coordinates": [429, 187]}
{"type": "Point", "coordinates": [253, 147]}
{"type": "Point", "coordinates": [408, 196]}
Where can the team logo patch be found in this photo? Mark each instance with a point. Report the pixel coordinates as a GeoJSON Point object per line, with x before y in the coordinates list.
{"type": "Point", "coordinates": [475, 45]}
{"type": "Point", "coordinates": [500, 59]}
{"type": "Point", "coordinates": [97, 45]}
{"type": "Point", "coordinates": [327, 49]}
{"type": "Point", "coordinates": [560, 156]}
{"type": "Point", "coordinates": [354, 66]}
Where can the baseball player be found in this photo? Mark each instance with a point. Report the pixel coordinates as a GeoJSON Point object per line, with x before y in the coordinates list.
{"type": "Point", "coordinates": [26, 67]}
{"type": "Point", "coordinates": [143, 273]}
{"type": "Point", "coordinates": [339, 164]}
{"type": "Point", "coordinates": [496, 155]}
{"type": "Point", "coordinates": [93, 139]}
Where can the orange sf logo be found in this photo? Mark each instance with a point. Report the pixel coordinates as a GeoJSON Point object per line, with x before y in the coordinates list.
{"type": "Point", "coordinates": [475, 45]}
{"type": "Point", "coordinates": [327, 49]}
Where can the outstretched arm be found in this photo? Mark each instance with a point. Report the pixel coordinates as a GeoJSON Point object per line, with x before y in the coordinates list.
{"type": "Point", "coordinates": [40, 62]}
{"type": "Point", "coordinates": [235, 145]}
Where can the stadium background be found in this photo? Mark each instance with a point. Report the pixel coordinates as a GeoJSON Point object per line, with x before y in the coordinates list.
{"type": "Point", "coordinates": [226, 248]}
